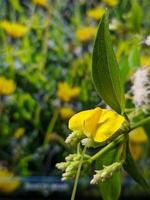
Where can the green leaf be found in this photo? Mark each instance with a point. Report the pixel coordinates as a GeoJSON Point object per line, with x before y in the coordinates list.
{"type": "Point", "coordinates": [110, 190]}
{"type": "Point", "coordinates": [136, 16]}
{"type": "Point", "coordinates": [16, 5]}
{"type": "Point", "coordinates": [134, 58]}
{"type": "Point", "coordinates": [124, 69]}
{"type": "Point", "coordinates": [105, 69]}
{"type": "Point", "coordinates": [132, 169]}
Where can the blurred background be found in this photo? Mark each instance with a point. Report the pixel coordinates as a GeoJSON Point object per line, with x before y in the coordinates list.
{"type": "Point", "coordinates": [45, 78]}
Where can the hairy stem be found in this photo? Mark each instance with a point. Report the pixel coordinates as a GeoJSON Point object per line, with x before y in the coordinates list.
{"type": "Point", "coordinates": [77, 175]}
{"type": "Point", "coordinates": [111, 145]}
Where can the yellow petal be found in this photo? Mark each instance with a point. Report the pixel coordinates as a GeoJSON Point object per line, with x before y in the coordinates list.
{"type": "Point", "coordinates": [90, 124]}
{"type": "Point", "coordinates": [83, 120]}
{"type": "Point", "coordinates": [109, 123]}
{"type": "Point", "coordinates": [136, 150]}
{"type": "Point", "coordinates": [138, 135]}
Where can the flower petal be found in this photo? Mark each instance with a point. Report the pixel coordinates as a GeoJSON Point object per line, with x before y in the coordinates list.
{"type": "Point", "coordinates": [109, 123]}
{"type": "Point", "coordinates": [85, 121]}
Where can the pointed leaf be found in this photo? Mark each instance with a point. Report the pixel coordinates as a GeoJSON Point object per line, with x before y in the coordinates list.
{"type": "Point", "coordinates": [124, 69]}
{"type": "Point", "coordinates": [132, 169]}
{"type": "Point", "coordinates": [105, 69]}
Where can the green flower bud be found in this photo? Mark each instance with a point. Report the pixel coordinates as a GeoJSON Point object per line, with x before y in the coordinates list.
{"type": "Point", "coordinates": [62, 166]}
{"type": "Point", "coordinates": [72, 166]}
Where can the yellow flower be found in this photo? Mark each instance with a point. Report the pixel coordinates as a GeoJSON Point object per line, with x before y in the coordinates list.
{"type": "Point", "coordinates": [85, 34]}
{"type": "Point", "coordinates": [7, 87]}
{"type": "Point", "coordinates": [137, 137]}
{"type": "Point", "coordinates": [145, 60]}
{"type": "Point", "coordinates": [19, 133]}
{"type": "Point", "coordinates": [15, 30]}
{"type": "Point", "coordinates": [66, 93]}
{"type": "Point", "coordinates": [96, 13]}
{"type": "Point", "coordinates": [111, 3]}
{"type": "Point", "coordinates": [98, 124]}
{"type": "Point", "coordinates": [10, 183]}
{"type": "Point", "coordinates": [40, 2]}
{"type": "Point", "coordinates": [66, 112]}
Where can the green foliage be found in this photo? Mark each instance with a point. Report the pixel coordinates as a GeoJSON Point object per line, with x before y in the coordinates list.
{"type": "Point", "coordinates": [136, 16]}
{"type": "Point", "coordinates": [105, 69]}
{"type": "Point", "coordinates": [134, 58]}
{"type": "Point", "coordinates": [111, 188]}
{"type": "Point", "coordinates": [124, 69]}
{"type": "Point", "coordinates": [51, 52]}
{"type": "Point", "coordinates": [132, 169]}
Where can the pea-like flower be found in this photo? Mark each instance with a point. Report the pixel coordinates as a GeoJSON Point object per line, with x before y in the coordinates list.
{"type": "Point", "coordinates": [111, 3]}
{"type": "Point", "coordinates": [42, 3]}
{"type": "Point", "coordinates": [66, 93]}
{"type": "Point", "coordinates": [7, 86]}
{"type": "Point", "coordinates": [66, 112]}
{"type": "Point", "coordinates": [15, 30]}
{"type": "Point", "coordinates": [96, 13]}
{"type": "Point", "coordinates": [97, 124]}
{"type": "Point", "coordinates": [8, 182]}
{"type": "Point", "coordinates": [84, 34]}
{"type": "Point", "coordinates": [137, 138]}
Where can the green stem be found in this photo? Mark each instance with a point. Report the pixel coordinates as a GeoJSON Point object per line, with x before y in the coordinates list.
{"type": "Point", "coordinates": [51, 126]}
{"type": "Point", "coordinates": [112, 144]}
{"type": "Point", "coordinates": [141, 123]}
{"type": "Point", "coordinates": [59, 139]}
{"type": "Point", "coordinates": [77, 175]}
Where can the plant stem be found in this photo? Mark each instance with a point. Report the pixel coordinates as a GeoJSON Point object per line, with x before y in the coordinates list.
{"type": "Point", "coordinates": [141, 123]}
{"type": "Point", "coordinates": [77, 175]}
{"type": "Point", "coordinates": [59, 139]}
{"type": "Point", "coordinates": [51, 126]}
{"type": "Point", "coordinates": [112, 144]}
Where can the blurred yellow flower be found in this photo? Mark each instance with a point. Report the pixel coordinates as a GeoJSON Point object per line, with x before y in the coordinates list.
{"type": "Point", "coordinates": [8, 182]}
{"type": "Point", "coordinates": [96, 13]}
{"type": "Point", "coordinates": [40, 2]}
{"type": "Point", "coordinates": [19, 133]}
{"type": "Point", "coordinates": [111, 3]}
{"type": "Point", "coordinates": [145, 60]}
{"type": "Point", "coordinates": [14, 30]}
{"type": "Point", "coordinates": [98, 124]}
{"type": "Point", "coordinates": [85, 34]}
{"type": "Point", "coordinates": [66, 93]}
{"type": "Point", "coordinates": [66, 112]}
{"type": "Point", "coordinates": [137, 137]}
{"type": "Point", "coordinates": [7, 86]}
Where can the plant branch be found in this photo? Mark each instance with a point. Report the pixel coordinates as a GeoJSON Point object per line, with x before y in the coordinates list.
{"type": "Point", "coordinates": [141, 123]}
{"type": "Point", "coordinates": [112, 144]}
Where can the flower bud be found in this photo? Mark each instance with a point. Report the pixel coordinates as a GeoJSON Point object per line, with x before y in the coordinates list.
{"type": "Point", "coordinates": [88, 142]}
{"type": "Point", "coordinates": [62, 166]}
{"type": "Point", "coordinates": [105, 173]}
{"type": "Point", "coordinates": [74, 138]}
{"type": "Point", "coordinates": [72, 166]}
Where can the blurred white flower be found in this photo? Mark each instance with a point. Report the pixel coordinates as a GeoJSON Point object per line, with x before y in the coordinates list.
{"type": "Point", "coordinates": [141, 87]}
{"type": "Point", "coordinates": [147, 41]}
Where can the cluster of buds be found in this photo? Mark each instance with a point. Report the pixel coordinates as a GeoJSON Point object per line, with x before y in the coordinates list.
{"type": "Point", "coordinates": [74, 137]}
{"type": "Point", "coordinates": [105, 173]}
{"type": "Point", "coordinates": [88, 142]}
{"type": "Point", "coordinates": [71, 165]}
